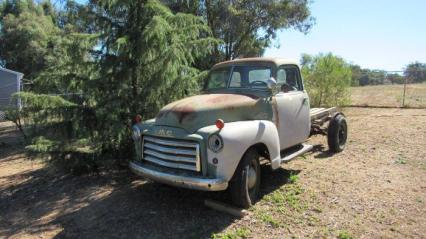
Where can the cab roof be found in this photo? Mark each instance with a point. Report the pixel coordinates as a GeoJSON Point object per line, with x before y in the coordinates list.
{"type": "Point", "coordinates": [276, 61]}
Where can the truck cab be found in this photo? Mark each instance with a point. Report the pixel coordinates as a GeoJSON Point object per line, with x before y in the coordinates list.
{"type": "Point", "coordinates": [250, 109]}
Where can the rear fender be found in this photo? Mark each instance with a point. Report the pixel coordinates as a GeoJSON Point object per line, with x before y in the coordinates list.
{"type": "Point", "coordinates": [336, 114]}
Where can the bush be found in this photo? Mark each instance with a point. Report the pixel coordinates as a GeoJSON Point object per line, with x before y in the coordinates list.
{"type": "Point", "coordinates": [327, 79]}
{"type": "Point", "coordinates": [55, 128]}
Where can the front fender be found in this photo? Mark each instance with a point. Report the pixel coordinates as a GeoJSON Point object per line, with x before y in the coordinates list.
{"type": "Point", "coordinates": [237, 138]}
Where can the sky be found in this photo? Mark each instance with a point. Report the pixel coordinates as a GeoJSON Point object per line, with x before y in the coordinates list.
{"type": "Point", "coordinates": [375, 34]}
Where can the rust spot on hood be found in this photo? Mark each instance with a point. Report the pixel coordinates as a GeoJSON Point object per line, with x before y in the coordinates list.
{"type": "Point", "coordinates": [254, 97]}
{"type": "Point", "coordinates": [230, 99]}
{"type": "Point", "coordinates": [180, 111]}
{"type": "Point", "coordinates": [183, 113]}
{"type": "Point", "coordinates": [197, 111]}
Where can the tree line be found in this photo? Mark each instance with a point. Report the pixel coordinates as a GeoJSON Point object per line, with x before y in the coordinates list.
{"type": "Point", "coordinates": [413, 73]}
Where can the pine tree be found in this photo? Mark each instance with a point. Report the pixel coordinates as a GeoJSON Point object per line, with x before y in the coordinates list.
{"type": "Point", "coordinates": [146, 59]}
{"type": "Point", "coordinates": [139, 57]}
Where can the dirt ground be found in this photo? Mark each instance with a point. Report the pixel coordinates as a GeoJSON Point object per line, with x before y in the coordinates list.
{"type": "Point", "coordinates": [376, 188]}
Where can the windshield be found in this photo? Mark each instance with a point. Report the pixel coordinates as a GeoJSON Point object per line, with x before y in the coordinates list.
{"type": "Point", "coordinates": [239, 77]}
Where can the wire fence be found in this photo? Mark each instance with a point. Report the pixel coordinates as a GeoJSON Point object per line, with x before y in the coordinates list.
{"type": "Point", "coordinates": [388, 94]}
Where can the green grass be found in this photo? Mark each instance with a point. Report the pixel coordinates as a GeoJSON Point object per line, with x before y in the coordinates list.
{"type": "Point", "coordinates": [283, 205]}
{"type": "Point", "coordinates": [293, 178]}
{"type": "Point", "coordinates": [401, 161]}
{"type": "Point", "coordinates": [235, 234]}
{"type": "Point", "coordinates": [287, 197]}
{"type": "Point", "coordinates": [268, 219]}
{"type": "Point", "coordinates": [344, 235]}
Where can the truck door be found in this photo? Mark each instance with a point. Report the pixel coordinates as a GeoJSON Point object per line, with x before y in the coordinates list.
{"type": "Point", "coordinates": [292, 112]}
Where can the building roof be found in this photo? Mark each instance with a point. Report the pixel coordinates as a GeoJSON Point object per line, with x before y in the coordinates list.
{"type": "Point", "coordinates": [276, 61]}
{"type": "Point", "coordinates": [20, 75]}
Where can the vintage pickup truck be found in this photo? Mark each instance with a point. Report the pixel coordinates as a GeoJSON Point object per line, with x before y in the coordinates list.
{"type": "Point", "coordinates": [252, 110]}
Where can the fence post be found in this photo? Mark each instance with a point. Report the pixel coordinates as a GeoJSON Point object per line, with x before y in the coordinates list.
{"type": "Point", "coordinates": [403, 96]}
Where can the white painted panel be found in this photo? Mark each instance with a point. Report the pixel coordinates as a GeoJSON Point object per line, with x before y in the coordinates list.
{"type": "Point", "coordinates": [294, 123]}
{"type": "Point", "coordinates": [237, 138]}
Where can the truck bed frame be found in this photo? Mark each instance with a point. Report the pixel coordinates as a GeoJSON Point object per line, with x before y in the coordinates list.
{"type": "Point", "coordinates": [319, 118]}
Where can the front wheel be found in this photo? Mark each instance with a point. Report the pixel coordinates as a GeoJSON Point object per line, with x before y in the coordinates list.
{"type": "Point", "coordinates": [245, 184]}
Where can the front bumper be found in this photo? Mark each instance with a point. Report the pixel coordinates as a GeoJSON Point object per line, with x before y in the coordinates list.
{"type": "Point", "coordinates": [204, 184]}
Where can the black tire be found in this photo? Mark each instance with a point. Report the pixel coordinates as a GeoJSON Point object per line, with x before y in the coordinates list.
{"type": "Point", "coordinates": [337, 134]}
{"type": "Point", "coordinates": [243, 195]}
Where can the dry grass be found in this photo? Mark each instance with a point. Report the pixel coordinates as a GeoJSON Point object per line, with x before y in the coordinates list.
{"type": "Point", "coordinates": [389, 95]}
{"type": "Point", "coordinates": [375, 188]}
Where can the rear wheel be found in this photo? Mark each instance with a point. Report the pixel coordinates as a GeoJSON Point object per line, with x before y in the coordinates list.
{"type": "Point", "coordinates": [337, 134]}
{"type": "Point", "coordinates": [245, 184]}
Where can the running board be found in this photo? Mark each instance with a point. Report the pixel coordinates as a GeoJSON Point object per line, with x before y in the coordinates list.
{"type": "Point", "coordinates": [305, 148]}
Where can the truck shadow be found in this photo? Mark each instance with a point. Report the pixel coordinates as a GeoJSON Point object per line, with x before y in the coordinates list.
{"type": "Point", "coordinates": [321, 152]}
{"type": "Point", "coordinates": [273, 180]}
{"type": "Point", "coordinates": [113, 205]}
{"type": "Point", "coordinates": [110, 206]}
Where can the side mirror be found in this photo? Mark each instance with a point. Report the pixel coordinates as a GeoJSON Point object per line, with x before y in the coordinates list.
{"type": "Point", "coordinates": [271, 83]}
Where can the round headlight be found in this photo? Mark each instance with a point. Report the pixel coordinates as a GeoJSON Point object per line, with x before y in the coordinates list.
{"type": "Point", "coordinates": [215, 143]}
{"type": "Point", "coordinates": [136, 134]}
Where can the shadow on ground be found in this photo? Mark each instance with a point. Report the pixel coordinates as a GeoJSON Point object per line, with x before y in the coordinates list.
{"type": "Point", "coordinates": [112, 205]}
{"type": "Point", "coordinates": [321, 152]}
{"type": "Point", "coordinates": [272, 181]}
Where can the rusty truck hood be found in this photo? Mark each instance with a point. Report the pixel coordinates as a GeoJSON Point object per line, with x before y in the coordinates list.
{"type": "Point", "coordinates": [198, 111]}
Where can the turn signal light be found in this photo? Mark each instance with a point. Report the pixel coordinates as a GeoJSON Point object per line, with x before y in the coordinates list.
{"type": "Point", "coordinates": [220, 124]}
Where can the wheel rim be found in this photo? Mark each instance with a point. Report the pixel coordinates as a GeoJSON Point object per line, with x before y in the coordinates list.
{"type": "Point", "coordinates": [342, 134]}
{"type": "Point", "coordinates": [252, 177]}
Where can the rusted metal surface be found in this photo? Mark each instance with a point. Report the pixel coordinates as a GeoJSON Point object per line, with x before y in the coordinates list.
{"type": "Point", "coordinates": [198, 111]}
{"type": "Point", "coordinates": [257, 61]}
{"type": "Point", "coordinates": [275, 111]}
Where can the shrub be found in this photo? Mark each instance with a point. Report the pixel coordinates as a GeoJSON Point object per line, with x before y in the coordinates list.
{"type": "Point", "coordinates": [327, 79]}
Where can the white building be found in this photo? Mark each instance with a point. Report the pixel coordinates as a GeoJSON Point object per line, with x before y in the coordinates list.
{"type": "Point", "coordinates": [10, 83]}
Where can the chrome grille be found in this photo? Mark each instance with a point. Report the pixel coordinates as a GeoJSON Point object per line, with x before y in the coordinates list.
{"type": "Point", "coordinates": [172, 153]}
